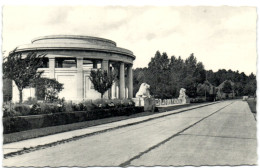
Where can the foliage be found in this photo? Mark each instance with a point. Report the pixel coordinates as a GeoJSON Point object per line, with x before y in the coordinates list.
{"type": "Point", "coordinates": [8, 109]}
{"type": "Point", "coordinates": [227, 87]}
{"type": "Point", "coordinates": [22, 69]}
{"type": "Point", "coordinates": [7, 90]}
{"type": "Point", "coordinates": [23, 109]}
{"type": "Point", "coordinates": [243, 84]}
{"type": "Point", "coordinates": [60, 106]}
{"type": "Point", "coordinates": [139, 77]}
{"type": "Point", "coordinates": [48, 89]}
{"type": "Point", "coordinates": [197, 100]}
{"type": "Point", "coordinates": [204, 88]}
{"type": "Point", "coordinates": [102, 80]}
{"type": "Point", "coordinates": [157, 75]}
{"type": "Point", "coordinates": [15, 124]}
{"type": "Point", "coordinates": [166, 76]}
{"type": "Point", "coordinates": [250, 88]}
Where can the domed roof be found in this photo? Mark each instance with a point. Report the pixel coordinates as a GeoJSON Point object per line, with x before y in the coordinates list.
{"type": "Point", "coordinates": [73, 39]}
{"type": "Point", "coordinates": [74, 42]}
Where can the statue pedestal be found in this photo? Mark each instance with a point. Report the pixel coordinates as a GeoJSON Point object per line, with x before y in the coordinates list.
{"type": "Point", "coordinates": [138, 101]}
{"type": "Point", "coordinates": [147, 103]}
{"type": "Point", "coordinates": [185, 100]}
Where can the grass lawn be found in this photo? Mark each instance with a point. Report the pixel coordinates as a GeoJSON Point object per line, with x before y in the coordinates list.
{"type": "Point", "coordinates": [18, 136]}
{"type": "Point", "coordinates": [252, 105]}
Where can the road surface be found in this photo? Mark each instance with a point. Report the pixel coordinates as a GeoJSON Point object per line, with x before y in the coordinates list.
{"type": "Point", "coordinates": [219, 134]}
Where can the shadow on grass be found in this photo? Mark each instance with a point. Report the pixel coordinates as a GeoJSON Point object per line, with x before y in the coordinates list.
{"type": "Point", "coordinates": [252, 105]}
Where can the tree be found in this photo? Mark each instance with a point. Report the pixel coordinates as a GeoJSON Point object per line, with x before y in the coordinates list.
{"type": "Point", "coordinates": [194, 73]}
{"type": "Point", "coordinates": [139, 77]}
{"type": "Point", "coordinates": [250, 88]}
{"type": "Point", "coordinates": [176, 75]}
{"type": "Point", "coordinates": [227, 87]}
{"type": "Point", "coordinates": [47, 89]}
{"type": "Point", "coordinates": [22, 69]}
{"type": "Point", "coordinates": [157, 76]}
{"type": "Point", "coordinates": [102, 80]}
{"type": "Point", "coordinates": [203, 89]}
{"type": "Point", "coordinates": [239, 89]}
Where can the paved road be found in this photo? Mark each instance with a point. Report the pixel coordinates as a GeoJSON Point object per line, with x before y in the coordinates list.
{"type": "Point", "coordinates": [219, 134]}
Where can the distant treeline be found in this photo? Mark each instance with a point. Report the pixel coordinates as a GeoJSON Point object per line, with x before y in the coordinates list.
{"type": "Point", "coordinates": [167, 75]}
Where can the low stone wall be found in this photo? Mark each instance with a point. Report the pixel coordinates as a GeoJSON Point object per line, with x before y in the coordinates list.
{"type": "Point", "coordinates": [160, 102]}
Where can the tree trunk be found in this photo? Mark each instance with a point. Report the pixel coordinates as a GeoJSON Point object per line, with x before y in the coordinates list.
{"type": "Point", "coordinates": [102, 94]}
{"type": "Point", "coordinates": [20, 95]}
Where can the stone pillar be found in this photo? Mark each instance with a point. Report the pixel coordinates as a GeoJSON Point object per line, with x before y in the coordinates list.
{"type": "Point", "coordinates": [117, 91]}
{"type": "Point", "coordinates": [113, 91]}
{"type": "Point", "coordinates": [95, 64]}
{"type": "Point", "coordinates": [115, 86]}
{"type": "Point", "coordinates": [126, 92]}
{"type": "Point", "coordinates": [122, 81]}
{"type": "Point", "coordinates": [51, 68]}
{"type": "Point", "coordinates": [105, 66]}
{"type": "Point", "coordinates": [110, 90]}
{"type": "Point", "coordinates": [80, 81]}
{"type": "Point", "coordinates": [130, 81]}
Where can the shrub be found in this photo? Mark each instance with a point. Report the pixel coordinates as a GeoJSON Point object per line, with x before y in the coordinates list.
{"type": "Point", "coordinates": [68, 107]}
{"type": "Point", "coordinates": [15, 124]}
{"type": "Point", "coordinates": [8, 109]}
{"type": "Point", "coordinates": [36, 109]}
{"type": "Point", "coordinates": [23, 109]}
{"type": "Point", "coordinates": [47, 108]}
{"type": "Point", "coordinates": [47, 89]}
{"type": "Point", "coordinates": [123, 103]}
{"type": "Point", "coordinates": [197, 100]}
{"type": "Point", "coordinates": [100, 103]}
{"type": "Point", "coordinates": [79, 107]}
{"type": "Point", "coordinates": [32, 108]}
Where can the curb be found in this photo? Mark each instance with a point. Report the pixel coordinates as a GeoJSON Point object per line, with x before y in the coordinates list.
{"type": "Point", "coordinates": [27, 150]}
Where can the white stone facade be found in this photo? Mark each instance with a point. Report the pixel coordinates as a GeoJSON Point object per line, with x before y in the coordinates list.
{"type": "Point", "coordinates": [70, 59]}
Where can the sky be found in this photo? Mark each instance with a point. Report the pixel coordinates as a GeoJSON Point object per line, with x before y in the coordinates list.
{"type": "Point", "coordinates": [221, 37]}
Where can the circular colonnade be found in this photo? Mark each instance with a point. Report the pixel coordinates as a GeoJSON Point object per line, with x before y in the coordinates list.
{"type": "Point", "coordinates": [70, 58]}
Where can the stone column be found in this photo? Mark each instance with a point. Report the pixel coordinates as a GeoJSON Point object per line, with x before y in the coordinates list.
{"type": "Point", "coordinates": [105, 66]}
{"type": "Point", "coordinates": [122, 81]}
{"type": "Point", "coordinates": [126, 92]}
{"type": "Point", "coordinates": [115, 84]}
{"type": "Point", "coordinates": [110, 92]}
{"type": "Point", "coordinates": [95, 64]}
{"type": "Point", "coordinates": [51, 68]}
{"type": "Point", "coordinates": [80, 81]}
{"type": "Point", "coordinates": [130, 81]}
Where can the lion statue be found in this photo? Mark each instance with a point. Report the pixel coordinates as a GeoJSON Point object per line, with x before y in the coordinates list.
{"type": "Point", "coordinates": [182, 93]}
{"type": "Point", "coordinates": [183, 98]}
{"type": "Point", "coordinates": [143, 91]}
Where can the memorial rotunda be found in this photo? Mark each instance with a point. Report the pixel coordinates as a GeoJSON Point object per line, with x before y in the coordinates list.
{"type": "Point", "coordinates": [70, 58]}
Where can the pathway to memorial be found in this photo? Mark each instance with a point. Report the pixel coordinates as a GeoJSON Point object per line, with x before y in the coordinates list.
{"type": "Point", "coordinates": [219, 134]}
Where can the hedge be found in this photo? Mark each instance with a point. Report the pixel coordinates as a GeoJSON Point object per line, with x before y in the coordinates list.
{"type": "Point", "coordinates": [23, 123]}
